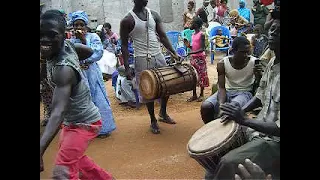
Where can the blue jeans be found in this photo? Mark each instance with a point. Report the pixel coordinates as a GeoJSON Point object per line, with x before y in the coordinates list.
{"type": "Point", "coordinates": [238, 97]}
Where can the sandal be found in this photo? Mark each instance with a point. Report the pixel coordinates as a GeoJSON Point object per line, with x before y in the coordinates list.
{"type": "Point", "coordinates": [200, 99]}
{"type": "Point", "coordinates": [102, 136]}
{"type": "Point", "coordinates": [193, 98]}
{"type": "Point", "coordinates": [167, 119]}
{"type": "Point", "coordinates": [154, 130]}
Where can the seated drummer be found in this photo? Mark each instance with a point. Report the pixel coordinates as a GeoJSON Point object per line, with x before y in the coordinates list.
{"type": "Point", "coordinates": [236, 76]}
{"type": "Point", "coordinates": [263, 147]}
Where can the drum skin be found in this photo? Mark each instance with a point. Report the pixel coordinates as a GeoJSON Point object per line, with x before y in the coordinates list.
{"type": "Point", "coordinates": [213, 140]}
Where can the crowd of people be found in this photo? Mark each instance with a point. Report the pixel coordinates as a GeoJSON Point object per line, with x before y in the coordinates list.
{"type": "Point", "coordinates": [74, 96]}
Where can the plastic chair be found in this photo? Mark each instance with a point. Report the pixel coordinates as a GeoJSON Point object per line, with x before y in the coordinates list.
{"type": "Point", "coordinates": [212, 25]}
{"type": "Point", "coordinates": [187, 34]}
{"type": "Point", "coordinates": [213, 32]}
{"type": "Point", "coordinates": [181, 51]}
{"type": "Point", "coordinates": [174, 37]}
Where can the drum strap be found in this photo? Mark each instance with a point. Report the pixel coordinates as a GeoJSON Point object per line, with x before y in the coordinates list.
{"type": "Point", "coordinates": [147, 27]}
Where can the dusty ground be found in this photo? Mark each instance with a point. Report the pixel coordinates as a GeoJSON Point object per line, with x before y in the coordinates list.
{"type": "Point", "coordinates": [133, 152]}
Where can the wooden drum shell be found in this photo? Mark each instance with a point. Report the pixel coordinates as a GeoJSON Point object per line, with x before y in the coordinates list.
{"type": "Point", "coordinates": [165, 81]}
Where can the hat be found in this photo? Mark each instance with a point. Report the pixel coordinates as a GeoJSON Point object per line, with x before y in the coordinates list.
{"type": "Point", "coordinates": [206, 1]}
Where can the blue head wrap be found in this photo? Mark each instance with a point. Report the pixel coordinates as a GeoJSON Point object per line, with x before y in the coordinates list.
{"type": "Point", "coordinates": [79, 15]}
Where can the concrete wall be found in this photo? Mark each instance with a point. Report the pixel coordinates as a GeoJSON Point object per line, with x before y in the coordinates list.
{"type": "Point", "coordinates": [113, 11]}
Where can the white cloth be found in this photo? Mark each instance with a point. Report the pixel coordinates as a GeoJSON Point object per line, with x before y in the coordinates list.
{"type": "Point", "coordinates": [108, 62]}
{"type": "Point", "coordinates": [124, 90]}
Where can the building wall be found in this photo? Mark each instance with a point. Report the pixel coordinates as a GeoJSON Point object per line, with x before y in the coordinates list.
{"type": "Point", "coordinates": [113, 11]}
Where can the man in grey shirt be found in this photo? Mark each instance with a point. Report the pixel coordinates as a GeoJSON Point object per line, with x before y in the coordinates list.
{"type": "Point", "coordinates": [72, 105]}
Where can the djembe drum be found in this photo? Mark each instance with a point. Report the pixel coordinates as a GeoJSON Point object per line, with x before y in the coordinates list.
{"type": "Point", "coordinates": [213, 140]}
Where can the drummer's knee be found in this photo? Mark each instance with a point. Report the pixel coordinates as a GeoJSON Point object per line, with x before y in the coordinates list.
{"type": "Point", "coordinates": [226, 160]}
{"type": "Point", "coordinates": [226, 168]}
{"type": "Point", "coordinates": [207, 112]}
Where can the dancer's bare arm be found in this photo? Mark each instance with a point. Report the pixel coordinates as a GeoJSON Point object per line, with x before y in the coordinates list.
{"type": "Point", "coordinates": [65, 78]}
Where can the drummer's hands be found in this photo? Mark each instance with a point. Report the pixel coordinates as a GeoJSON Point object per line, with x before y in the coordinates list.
{"type": "Point", "coordinates": [175, 56]}
{"type": "Point", "coordinates": [233, 112]}
{"type": "Point", "coordinates": [250, 170]}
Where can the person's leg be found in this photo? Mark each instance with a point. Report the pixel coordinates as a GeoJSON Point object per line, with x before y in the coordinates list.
{"type": "Point", "coordinates": [203, 75]}
{"type": "Point", "coordinates": [154, 124]}
{"type": "Point", "coordinates": [201, 97]}
{"type": "Point", "coordinates": [141, 64]}
{"type": "Point", "coordinates": [240, 98]}
{"type": "Point", "coordinates": [209, 108]}
{"type": "Point", "coordinates": [194, 95]}
{"type": "Point", "coordinates": [194, 92]}
{"type": "Point", "coordinates": [262, 152]}
{"type": "Point", "coordinates": [73, 143]}
{"type": "Point", "coordinates": [89, 170]}
{"type": "Point", "coordinates": [163, 115]}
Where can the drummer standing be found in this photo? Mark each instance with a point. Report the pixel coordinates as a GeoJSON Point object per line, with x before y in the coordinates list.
{"type": "Point", "coordinates": [144, 26]}
{"type": "Point", "coordinates": [263, 147]}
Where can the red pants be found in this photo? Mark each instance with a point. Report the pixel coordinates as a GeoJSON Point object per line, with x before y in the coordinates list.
{"type": "Point", "coordinates": [71, 160]}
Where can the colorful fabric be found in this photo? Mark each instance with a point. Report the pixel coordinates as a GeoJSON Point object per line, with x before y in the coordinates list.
{"type": "Point", "coordinates": [260, 45]}
{"type": "Point", "coordinates": [200, 64]}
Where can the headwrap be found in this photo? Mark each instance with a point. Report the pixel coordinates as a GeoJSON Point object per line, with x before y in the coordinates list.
{"type": "Point", "coordinates": [79, 15]}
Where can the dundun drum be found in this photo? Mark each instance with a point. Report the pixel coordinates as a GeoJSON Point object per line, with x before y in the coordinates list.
{"type": "Point", "coordinates": [213, 140]}
{"type": "Point", "coordinates": [165, 81]}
